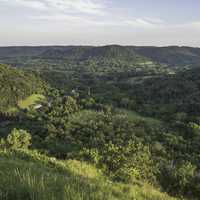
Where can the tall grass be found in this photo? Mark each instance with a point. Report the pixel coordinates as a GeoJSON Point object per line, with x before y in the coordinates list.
{"type": "Point", "coordinates": [30, 176]}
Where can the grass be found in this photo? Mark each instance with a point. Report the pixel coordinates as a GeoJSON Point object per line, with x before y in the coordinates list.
{"type": "Point", "coordinates": [30, 101]}
{"type": "Point", "coordinates": [29, 175]}
{"type": "Point", "coordinates": [12, 110]}
{"type": "Point", "coordinates": [132, 115]}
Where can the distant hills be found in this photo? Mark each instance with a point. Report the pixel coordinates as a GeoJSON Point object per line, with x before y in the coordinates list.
{"type": "Point", "coordinates": [171, 56]}
{"type": "Point", "coordinates": [142, 71]}
{"type": "Point", "coordinates": [75, 53]}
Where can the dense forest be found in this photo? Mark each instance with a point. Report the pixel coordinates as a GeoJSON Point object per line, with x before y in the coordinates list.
{"type": "Point", "coordinates": [100, 123]}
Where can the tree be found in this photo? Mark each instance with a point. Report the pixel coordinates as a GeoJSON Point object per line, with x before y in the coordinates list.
{"type": "Point", "coordinates": [17, 139]}
{"type": "Point", "coordinates": [194, 129]}
{"type": "Point", "coordinates": [177, 178]}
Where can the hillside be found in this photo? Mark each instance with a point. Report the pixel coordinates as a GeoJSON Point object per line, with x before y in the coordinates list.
{"type": "Point", "coordinates": [75, 54]}
{"type": "Point", "coordinates": [168, 94]}
{"type": "Point", "coordinates": [113, 52]}
{"type": "Point", "coordinates": [68, 67]}
{"type": "Point", "coordinates": [30, 175]}
{"type": "Point", "coordinates": [16, 85]}
{"type": "Point", "coordinates": [172, 55]}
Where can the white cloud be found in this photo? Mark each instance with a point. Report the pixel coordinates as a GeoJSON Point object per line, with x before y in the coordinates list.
{"type": "Point", "coordinates": [114, 21]}
{"type": "Point", "coordinates": [157, 21]}
{"type": "Point", "coordinates": [82, 6]}
{"type": "Point", "coordinates": [141, 23]}
{"type": "Point", "coordinates": [80, 12]}
{"type": "Point", "coordinates": [63, 18]}
{"type": "Point", "coordinates": [89, 22]}
{"type": "Point", "coordinates": [85, 6]}
{"type": "Point", "coordinates": [35, 4]}
{"type": "Point", "coordinates": [194, 24]}
{"type": "Point", "coordinates": [31, 3]}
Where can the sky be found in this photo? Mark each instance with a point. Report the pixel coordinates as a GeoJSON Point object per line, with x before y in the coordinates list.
{"type": "Point", "coordinates": [100, 22]}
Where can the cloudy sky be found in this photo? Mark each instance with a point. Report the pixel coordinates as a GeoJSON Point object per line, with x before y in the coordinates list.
{"type": "Point", "coordinates": [100, 22]}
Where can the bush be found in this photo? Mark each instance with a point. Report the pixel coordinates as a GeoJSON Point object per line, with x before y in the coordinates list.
{"type": "Point", "coordinates": [128, 163]}
{"type": "Point", "coordinates": [17, 139]}
{"type": "Point", "coordinates": [177, 179]}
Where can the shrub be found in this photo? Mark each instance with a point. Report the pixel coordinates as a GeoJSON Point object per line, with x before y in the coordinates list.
{"type": "Point", "coordinates": [178, 178]}
{"type": "Point", "coordinates": [126, 163]}
{"type": "Point", "coordinates": [17, 139]}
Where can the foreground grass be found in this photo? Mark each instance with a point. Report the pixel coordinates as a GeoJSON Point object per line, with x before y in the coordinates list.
{"type": "Point", "coordinates": [26, 175]}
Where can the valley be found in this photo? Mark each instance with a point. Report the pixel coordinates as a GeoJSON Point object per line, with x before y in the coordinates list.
{"type": "Point", "coordinates": [99, 123]}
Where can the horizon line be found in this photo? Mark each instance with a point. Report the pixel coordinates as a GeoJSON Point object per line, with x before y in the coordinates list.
{"type": "Point", "coordinates": [103, 45]}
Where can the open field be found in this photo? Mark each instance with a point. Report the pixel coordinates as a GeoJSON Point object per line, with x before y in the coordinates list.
{"type": "Point", "coordinates": [30, 101]}
{"type": "Point", "coordinates": [136, 116]}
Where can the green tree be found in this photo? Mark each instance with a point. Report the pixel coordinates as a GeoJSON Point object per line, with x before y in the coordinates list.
{"type": "Point", "coordinates": [177, 178]}
{"type": "Point", "coordinates": [18, 139]}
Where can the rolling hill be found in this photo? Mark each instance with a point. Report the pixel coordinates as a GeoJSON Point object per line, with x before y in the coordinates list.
{"type": "Point", "coordinates": [30, 175]}
{"type": "Point", "coordinates": [172, 55]}
{"type": "Point", "coordinates": [112, 52]}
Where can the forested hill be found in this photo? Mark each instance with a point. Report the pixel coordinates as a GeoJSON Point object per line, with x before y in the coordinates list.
{"type": "Point", "coordinates": [73, 53]}
{"type": "Point", "coordinates": [172, 55]}
{"type": "Point", "coordinates": [16, 85]}
{"type": "Point", "coordinates": [112, 52]}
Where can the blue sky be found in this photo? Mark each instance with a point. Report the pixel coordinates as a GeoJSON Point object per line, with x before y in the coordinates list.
{"type": "Point", "coordinates": [100, 22]}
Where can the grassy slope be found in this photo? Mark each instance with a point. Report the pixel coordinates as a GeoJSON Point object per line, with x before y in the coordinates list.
{"type": "Point", "coordinates": [135, 116]}
{"type": "Point", "coordinates": [29, 175]}
{"type": "Point", "coordinates": [26, 103]}
{"type": "Point", "coordinates": [30, 101]}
